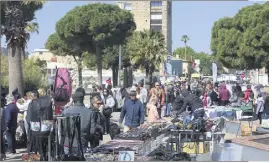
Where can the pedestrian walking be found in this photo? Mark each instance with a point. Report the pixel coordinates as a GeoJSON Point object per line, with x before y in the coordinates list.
{"type": "Point", "coordinates": [109, 103]}
{"type": "Point", "coordinates": [133, 112]}
{"type": "Point", "coordinates": [160, 94]}
{"type": "Point", "coordinates": [11, 115]}
{"type": "Point", "coordinates": [97, 122]}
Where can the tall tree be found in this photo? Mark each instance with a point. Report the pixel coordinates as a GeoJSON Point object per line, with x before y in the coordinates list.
{"type": "Point", "coordinates": [185, 39]}
{"type": "Point", "coordinates": [110, 60]}
{"type": "Point", "coordinates": [61, 48]}
{"type": "Point", "coordinates": [190, 53]}
{"type": "Point", "coordinates": [15, 15]}
{"type": "Point", "coordinates": [242, 42]}
{"type": "Point", "coordinates": [147, 50]}
{"type": "Point", "coordinates": [94, 27]}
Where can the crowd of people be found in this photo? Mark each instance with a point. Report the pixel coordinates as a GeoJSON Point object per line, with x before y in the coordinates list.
{"type": "Point", "coordinates": [138, 105]}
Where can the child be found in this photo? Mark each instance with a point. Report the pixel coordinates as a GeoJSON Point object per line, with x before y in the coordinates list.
{"type": "Point", "coordinates": [259, 107]}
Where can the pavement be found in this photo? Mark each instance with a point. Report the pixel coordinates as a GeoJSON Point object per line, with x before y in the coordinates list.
{"type": "Point", "coordinates": [18, 156]}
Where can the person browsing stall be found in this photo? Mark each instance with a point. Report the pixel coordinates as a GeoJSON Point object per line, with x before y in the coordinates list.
{"type": "Point", "coordinates": [133, 112]}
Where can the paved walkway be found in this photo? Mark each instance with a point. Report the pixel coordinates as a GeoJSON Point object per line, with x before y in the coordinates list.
{"type": "Point", "coordinates": [18, 157]}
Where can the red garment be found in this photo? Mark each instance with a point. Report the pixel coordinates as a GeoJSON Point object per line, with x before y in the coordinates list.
{"type": "Point", "coordinates": [224, 93]}
{"type": "Point", "coordinates": [108, 82]}
{"type": "Point", "coordinates": [205, 100]}
{"type": "Point", "coordinates": [58, 110]}
{"type": "Point", "coordinates": [247, 94]}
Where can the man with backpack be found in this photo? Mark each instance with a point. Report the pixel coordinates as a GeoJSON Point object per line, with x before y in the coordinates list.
{"type": "Point", "coordinates": [86, 118]}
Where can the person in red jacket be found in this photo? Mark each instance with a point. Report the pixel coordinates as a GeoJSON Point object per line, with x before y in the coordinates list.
{"type": "Point", "coordinates": [224, 95]}
{"type": "Point", "coordinates": [249, 95]}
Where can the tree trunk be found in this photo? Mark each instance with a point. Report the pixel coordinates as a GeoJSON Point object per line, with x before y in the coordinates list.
{"type": "Point", "coordinates": [79, 71]}
{"type": "Point", "coordinates": [15, 69]}
{"type": "Point", "coordinates": [150, 77]}
{"type": "Point", "coordinates": [114, 76]}
{"type": "Point", "coordinates": [130, 76]}
{"type": "Point", "coordinates": [99, 65]}
{"type": "Point", "coordinates": [0, 65]}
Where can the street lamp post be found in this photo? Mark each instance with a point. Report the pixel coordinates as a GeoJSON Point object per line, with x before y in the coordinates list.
{"type": "Point", "coordinates": [120, 65]}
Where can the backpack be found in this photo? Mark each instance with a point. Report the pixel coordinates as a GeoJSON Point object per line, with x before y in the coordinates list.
{"type": "Point", "coordinates": [41, 118]}
{"type": "Point", "coordinates": [63, 87]}
{"type": "Point", "coordinates": [114, 130]}
{"type": "Point", "coordinates": [70, 128]}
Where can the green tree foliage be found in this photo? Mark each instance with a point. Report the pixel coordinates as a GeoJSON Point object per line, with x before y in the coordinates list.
{"type": "Point", "coordinates": [94, 27]}
{"type": "Point", "coordinates": [242, 42]}
{"type": "Point", "coordinates": [34, 75]}
{"type": "Point", "coordinates": [181, 53]}
{"type": "Point", "coordinates": [147, 50]}
{"type": "Point", "coordinates": [61, 48]}
{"type": "Point", "coordinates": [15, 17]}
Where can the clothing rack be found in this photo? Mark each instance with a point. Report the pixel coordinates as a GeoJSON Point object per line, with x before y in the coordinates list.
{"type": "Point", "coordinates": [58, 119]}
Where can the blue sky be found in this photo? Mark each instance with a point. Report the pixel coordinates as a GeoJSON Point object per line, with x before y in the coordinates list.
{"type": "Point", "coordinates": [194, 19]}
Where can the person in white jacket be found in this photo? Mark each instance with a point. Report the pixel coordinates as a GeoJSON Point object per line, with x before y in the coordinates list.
{"type": "Point", "coordinates": [22, 105]}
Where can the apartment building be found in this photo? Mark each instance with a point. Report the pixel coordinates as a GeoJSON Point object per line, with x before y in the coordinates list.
{"type": "Point", "coordinates": [53, 61]}
{"type": "Point", "coordinates": [155, 15]}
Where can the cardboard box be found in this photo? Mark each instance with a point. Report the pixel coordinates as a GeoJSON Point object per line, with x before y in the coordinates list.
{"type": "Point", "coordinates": [245, 130]}
{"type": "Point", "coordinates": [194, 148]}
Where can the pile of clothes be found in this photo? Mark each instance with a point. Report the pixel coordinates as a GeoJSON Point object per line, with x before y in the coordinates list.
{"type": "Point", "coordinates": [199, 125]}
{"type": "Point", "coordinates": [136, 134]}
{"type": "Point", "coordinates": [164, 154]}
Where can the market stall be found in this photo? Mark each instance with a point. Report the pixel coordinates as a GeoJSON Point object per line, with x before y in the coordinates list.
{"type": "Point", "coordinates": [168, 140]}
{"type": "Point", "coordinates": [230, 112]}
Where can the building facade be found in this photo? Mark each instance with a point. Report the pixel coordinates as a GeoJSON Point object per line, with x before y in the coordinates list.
{"type": "Point", "coordinates": [155, 15]}
{"type": "Point", "coordinates": [53, 61]}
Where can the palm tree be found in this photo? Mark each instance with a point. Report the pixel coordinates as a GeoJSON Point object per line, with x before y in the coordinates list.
{"type": "Point", "coordinates": [17, 15]}
{"type": "Point", "coordinates": [147, 50]}
{"type": "Point", "coordinates": [185, 39]}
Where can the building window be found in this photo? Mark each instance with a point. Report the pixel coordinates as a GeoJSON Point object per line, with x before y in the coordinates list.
{"type": "Point", "coordinates": [155, 21]}
{"type": "Point", "coordinates": [156, 4]}
{"type": "Point", "coordinates": [127, 6]}
{"type": "Point", "coordinates": [156, 28]}
{"type": "Point", "coordinates": [156, 15]}
{"type": "Point", "coordinates": [41, 53]}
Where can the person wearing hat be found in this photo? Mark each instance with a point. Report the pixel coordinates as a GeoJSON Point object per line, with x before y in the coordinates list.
{"type": "Point", "coordinates": [85, 117]}
{"type": "Point", "coordinates": [11, 115]}
{"type": "Point", "coordinates": [133, 112]}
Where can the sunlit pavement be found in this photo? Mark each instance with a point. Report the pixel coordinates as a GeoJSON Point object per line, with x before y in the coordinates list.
{"type": "Point", "coordinates": [18, 156]}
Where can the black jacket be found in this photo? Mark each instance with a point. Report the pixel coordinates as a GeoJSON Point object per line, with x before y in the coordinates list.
{"type": "Point", "coordinates": [170, 96]}
{"type": "Point", "coordinates": [86, 120]}
{"type": "Point", "coordinates": [11, 114]}
{"type": "Point", "coordinates": [178, 103]}
{"type": "Point", "coordinates": [214, 96]}
{"type": "Point", "coordinates": [190, 100]}
{"type": "Point", "coordinates": [40, 109]}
